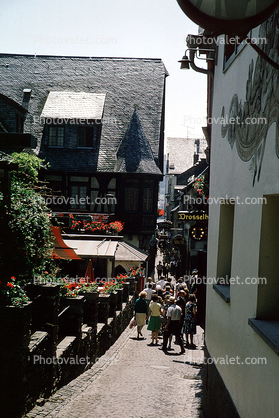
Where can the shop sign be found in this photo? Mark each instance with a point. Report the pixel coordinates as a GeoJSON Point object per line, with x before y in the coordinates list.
{"type": "Point", "coordinates": [193, 217]}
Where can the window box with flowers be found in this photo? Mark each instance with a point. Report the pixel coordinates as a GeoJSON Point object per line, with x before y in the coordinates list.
{"type": "Point", "coordinates": [96, 227]}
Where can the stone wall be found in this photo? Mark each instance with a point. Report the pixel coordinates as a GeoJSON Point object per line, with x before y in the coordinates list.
{"type": "Point", "coordinates": [35, 363]}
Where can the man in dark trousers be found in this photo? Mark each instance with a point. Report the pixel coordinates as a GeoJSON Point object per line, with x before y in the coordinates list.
{"type": "Point", "coordinates": [173, 326]}
{"type": "Point", "coordinates": [159, 269]}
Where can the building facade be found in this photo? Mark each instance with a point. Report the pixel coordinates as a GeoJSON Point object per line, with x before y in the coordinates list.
{"type": "Point", "coordinates": [242, 317]}
{"type": "Point", "coordinates": [99, 125]}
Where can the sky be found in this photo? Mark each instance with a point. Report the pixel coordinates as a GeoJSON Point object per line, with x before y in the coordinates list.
{"type": "Point", "coordinates": [113, 28]}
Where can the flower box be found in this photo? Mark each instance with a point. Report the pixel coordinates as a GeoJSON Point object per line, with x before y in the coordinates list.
{"type": "Point", "coordinates": [132, 281]}
{"type": "Point", "coordinates": [15, 327]}
{"type": "Point", "coordinates": [113, 304]}
{"type": "Point", "coordinates": [119, 299]}
{"type": "Point", "coordinates": [104, 307]}
{"type": "Point", "coordinates": [72, 326]}
{"type": "Point", "coordinates": [90, 315]}
{"type": "Point", "coordinates": [126, 292]}
{"type": "Point", "coordinates": [14, 360]}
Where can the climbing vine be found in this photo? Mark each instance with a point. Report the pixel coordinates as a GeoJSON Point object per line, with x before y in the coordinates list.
{"type": "Point", "coordinates": [27, 247]}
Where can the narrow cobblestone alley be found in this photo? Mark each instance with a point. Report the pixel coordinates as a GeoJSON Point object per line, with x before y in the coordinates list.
{"type": "Point", "coordinates": [136, 380]}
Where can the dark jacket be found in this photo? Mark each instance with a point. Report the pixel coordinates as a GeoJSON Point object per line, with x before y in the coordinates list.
{"type": "Point", "coordinates": [141, 306]}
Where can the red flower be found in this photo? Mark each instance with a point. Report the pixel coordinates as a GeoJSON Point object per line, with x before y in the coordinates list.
{"type": "Point", "coordinates": [13, 278]}
{"type": "Point", "coordinates": [10, 285]}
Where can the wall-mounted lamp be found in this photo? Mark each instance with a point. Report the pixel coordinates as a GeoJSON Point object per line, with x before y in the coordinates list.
{"type": "Point", "coordinates": [187, 62]}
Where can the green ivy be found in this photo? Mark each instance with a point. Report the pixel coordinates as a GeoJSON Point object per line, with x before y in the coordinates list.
{"type": "Point", "coordinates": [28, 246]}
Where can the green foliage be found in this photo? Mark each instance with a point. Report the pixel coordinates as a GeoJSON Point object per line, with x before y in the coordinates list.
{"type": "Point", "coordinates": [28, 246]}
{"type": "Point", "coordinates": [28, 166]}
{"type": "Point", "coordinates": [11, 293]}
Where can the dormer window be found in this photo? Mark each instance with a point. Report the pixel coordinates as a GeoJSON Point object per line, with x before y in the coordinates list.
{"type": "Point", "coordinates": [56, 136]}
{"type": "Point", "coordinates": [87, 136]}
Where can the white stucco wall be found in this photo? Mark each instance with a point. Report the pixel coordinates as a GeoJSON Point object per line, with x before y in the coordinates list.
{"type": "Point", "coordinates": [253, 388]}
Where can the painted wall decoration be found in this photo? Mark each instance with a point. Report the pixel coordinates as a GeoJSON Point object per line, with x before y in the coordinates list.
{"type": "Point", "coordinates": [246, 125]}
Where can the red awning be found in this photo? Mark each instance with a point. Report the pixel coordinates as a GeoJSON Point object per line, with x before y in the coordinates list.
{"type": "Point", "coordinates": [61, 250]}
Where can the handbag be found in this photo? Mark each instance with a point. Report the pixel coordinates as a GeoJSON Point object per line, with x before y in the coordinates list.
{"type": "Point", "coordinates": [133, 322]}
{"type": "Point", "coordinates": [163, 320]}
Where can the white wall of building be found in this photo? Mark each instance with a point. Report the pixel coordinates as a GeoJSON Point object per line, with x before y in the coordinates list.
{"type": "Point", "coordinates": [253, 388]}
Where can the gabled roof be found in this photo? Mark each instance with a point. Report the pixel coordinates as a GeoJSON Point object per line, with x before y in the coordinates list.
{"type": "Point", "coordinates": [134, 154]}
{"type": "Point", "coordinates": [126, 82]}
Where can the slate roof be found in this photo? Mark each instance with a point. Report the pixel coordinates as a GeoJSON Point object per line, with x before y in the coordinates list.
{"type": "Point", "coordinates": [195, 170]}
{"type": "Point", "coordinates": [134, 154]}
{"type": "Point", "coordinates": [181, 153]}
{"type": "Point", "coordinates": [126, 82]}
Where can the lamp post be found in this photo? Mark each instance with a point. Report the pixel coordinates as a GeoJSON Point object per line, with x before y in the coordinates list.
{"type": "Point", "coordinates": [188, 226]}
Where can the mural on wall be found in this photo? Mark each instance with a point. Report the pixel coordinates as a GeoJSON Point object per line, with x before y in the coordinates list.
{"type": "Point", "coordinates": [249, 122]}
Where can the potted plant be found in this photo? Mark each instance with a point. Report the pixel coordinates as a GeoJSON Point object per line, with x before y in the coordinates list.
{"type": "Point", "coordinates": [90, 291]}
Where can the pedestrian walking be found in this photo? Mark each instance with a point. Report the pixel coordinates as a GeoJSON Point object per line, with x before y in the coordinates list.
{"type": "Point", "coordinates": [163, 319]}
{"type": "Point", "coordinates": [141, 312]}
{"type": "Point", "coordinates": [149, 281]}
{"type": "Point", "coordinates": [165, 269]}
{"type": "Point", "coordinates": [149, 292]}
{"type": "Point", "coordinates": [173, 325]}
{"type": "Point", "coordinates": [193, 282]}
{"type": "Point", "coordinates": [161, 283]}
{"type": "Point", "coordinates": [181, 301]}
{"type": "Point", "coordinates": [154, 319]}
{"type": "Point", "coordinates": [159, 269]}
{"type": "Point", "coordinates": [190, 320]}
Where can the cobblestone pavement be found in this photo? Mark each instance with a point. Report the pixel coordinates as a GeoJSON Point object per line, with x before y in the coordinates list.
{"type": "Point", "coordinates": [133, 380]}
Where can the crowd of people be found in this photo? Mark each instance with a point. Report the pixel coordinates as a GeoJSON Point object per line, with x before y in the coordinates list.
{"type": "Point", "coordinates": [169, 309]}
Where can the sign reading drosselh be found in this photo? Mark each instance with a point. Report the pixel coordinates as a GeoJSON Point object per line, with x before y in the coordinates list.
{"type": "Point", "coordinates": [192, 217]}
